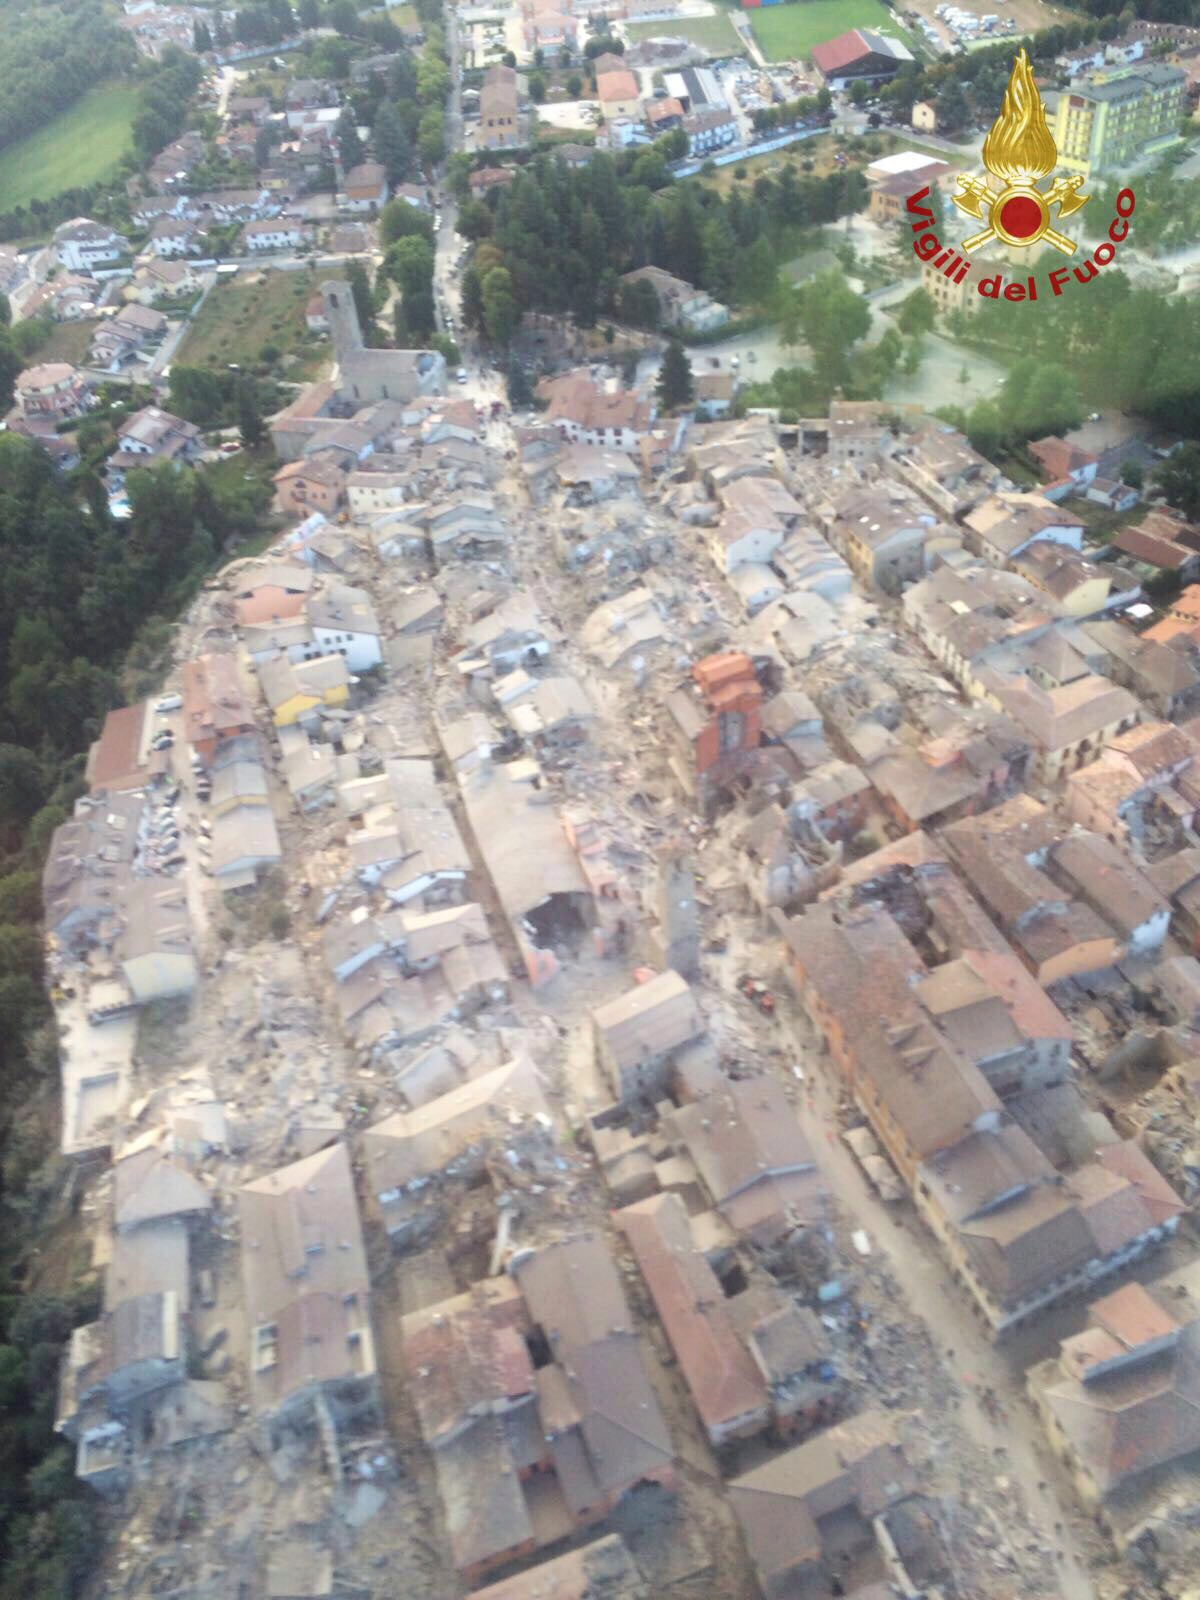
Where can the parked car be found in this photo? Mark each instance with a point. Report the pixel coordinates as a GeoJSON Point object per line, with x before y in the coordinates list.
{"type": "Point", "coordinates": [168, 702]}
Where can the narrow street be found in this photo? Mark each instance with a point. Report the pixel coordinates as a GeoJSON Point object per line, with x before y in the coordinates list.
{"type": "Point", "coordinates": [934, 1298]}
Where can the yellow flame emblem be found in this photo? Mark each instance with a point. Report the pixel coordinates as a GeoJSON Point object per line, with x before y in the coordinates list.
{"type": "Point", "coordinates": [1018, 150]}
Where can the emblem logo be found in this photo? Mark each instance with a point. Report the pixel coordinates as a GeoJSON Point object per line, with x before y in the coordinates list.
{"type": "Point", "coordinates": [1018, 152]}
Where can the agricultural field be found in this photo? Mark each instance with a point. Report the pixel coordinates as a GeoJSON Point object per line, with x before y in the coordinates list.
{"type": "Point", "coordinates": [715, 34]}
{"type": "Point", "coordinates": [256, 321]}
{"type": "Point", "coordinates": [80, 147]}
{"type": "Point", "coordinates": [68, 341]}
{"type": "Point", "coordinates": [788, 32]}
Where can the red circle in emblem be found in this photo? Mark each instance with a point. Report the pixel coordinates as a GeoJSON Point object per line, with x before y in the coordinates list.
{"type": "Point", "coordinates": [1021, 217]}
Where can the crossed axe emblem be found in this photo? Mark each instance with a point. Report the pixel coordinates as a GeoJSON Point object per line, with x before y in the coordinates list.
{"type": "Point", "coordinates": [979, 199]}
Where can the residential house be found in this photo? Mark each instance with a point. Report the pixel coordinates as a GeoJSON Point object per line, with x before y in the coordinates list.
{"type": "Point", "coordinates": [940, 465]}
{"type": "Point", "coordinates": [306, 1292]}
{"type": "Point", "coordinates": [296, 691]}
{"type": "Point", "coordinates": [215, 706]}
{"type": "Point", "coordinates": [272, 592]}
{"type": "Point", "coordinates": [727, 1348]}
{"type": "Point", "coordinates": [153, 435]}
{"type": "Point", "coordinates": [245, 842]}
{"type": "Point", "coordinates": [616, 88]}
{"type": "Point", "coordinates": [52, 392]}
{"type": "Point", "coordinates": [175, 236]}
{"type": "Point", "coordinates": [639, 1035]}
{"type": "Point", "coordinates": [1078, 587]}
{"type": "Point", "coordinates": [317, 483]}
{"type": "Point", "coordinates": [881, 533]}
{"type": "Point", "coordinates": [364, 188]}
{"type": "Point", "coordinates": [344, 623]}
{"type": "Point", "coordinates": [1165, 676]}
{"type": "Point", "coordinates": [163, 280]}
{"type": "Point", "coordinates": [82, 245]}
{"type": "Point", "coordinates": [484, 179]}
{"type": "Point", "coordinates": [681, 304]}
{"type": "Point", "coordinates": [1067, 725]}
{"type": "Point", "coordinates": [126, 336]}
{"type": "Point", "coordinates": [747, 1158]}
{"type": "Point", "coordinates": [1006, 524]}
{"type": "Point", "coordinates": [712, 128]}
{"type": "Point", "coordinates": [1066, 468]}
{"type": "Point", "coordinates": [279, 233]}
{"type": "Point", "coordinates": [813, 1510]}
{"type": "Point", "coordinates": [89, 860]}
{"type": "Point", "coordinates": [534, 1401]}
{"type": "Point", "coordinates": [1121, 1400]}
{"type": "Point", "coordinates": [587, 414]}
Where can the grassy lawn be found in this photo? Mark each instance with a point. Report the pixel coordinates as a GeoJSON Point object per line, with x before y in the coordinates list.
{"type": "Point", "coordinates": [68, 341]}
{"type": "Point", "coordinates": [80, 147]}
{"type": "Point", "coordinates": [255, 310]}
{"type": "Point", "coordinates": [716, 34]}
{"type": "Point", "coordinates": [403, 16]}
{"type": "Point", "coordinates": [788, 32]}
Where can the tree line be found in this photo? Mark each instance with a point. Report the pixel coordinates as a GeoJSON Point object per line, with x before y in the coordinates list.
{"type": "Point", "coordinates": [49, 56]}
{"type": "Point", "coordinates": [560, 239]}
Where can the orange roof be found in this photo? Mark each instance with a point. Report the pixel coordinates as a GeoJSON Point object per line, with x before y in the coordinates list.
{"type": "Point", "coordinates": [269, 604]}
{"type": "Point", "coordinates": [1133, 1316]}
{"type": "Point", "coordinates": [1171, 628]}
{"type": "Point", "coordinates": [113, 759]}
{"type": "Point", "coordinates": [1188, 603]}
{"type": "Point", "coordinates": [616, 85]}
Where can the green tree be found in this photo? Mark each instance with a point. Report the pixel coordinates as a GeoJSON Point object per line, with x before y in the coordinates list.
{"type": "Point", "coordinates": [1178, 478]}
{"type": "Point", "coordinates": [411, 262]}
{"type": "Point", "coordinates": [474, 220]}
{"type": "Point", "coordinates": [859, 93]}
{"type": "Point", "coordinates": [349, 145]}
{"type": "Point", "coordinates": [574, 86]}
{"type": "Point", "coordinates": [916, 313]}
{"type": "Point", "coordinates": [399, 220]}
{"type": "Point", "coordinates": [520, 394]}
{"type": "Point", "coordinates": [830, 318]}
{"type": "Point", "coordinates": [22, 783]}
{"type": "Point", "coordinates": [250, 419]}
{"type": "Point", "coordinates": [1133, 473]}
{"type": "Point", "coordinates": [500, 312]}
{"type": "Point", "coordinates": [364, 304]}
{"type": "Point", "coordinates": [471, 291]}
{"type": "Point", "coordinates": [431, 135]}
{"type": "Point", "coordinates": [391, 143]}
{"type": "Point", "coordinates": [675, 386]}
{"type": "Point", "coordinates": [202, 38]}
{"type": "Point", "coordinates": [309, 13]}
{"type": "Point", "coordinates": [537, 88]}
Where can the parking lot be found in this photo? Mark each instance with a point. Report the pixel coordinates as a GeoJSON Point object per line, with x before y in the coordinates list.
{"type": "Point", "coordinates": [1013, 18]}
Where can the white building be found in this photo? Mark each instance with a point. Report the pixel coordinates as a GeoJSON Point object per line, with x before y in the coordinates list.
{"type": "Point", "coordinates": [83, 244]}
{"type": "Point", "coordinates": [344, 623]}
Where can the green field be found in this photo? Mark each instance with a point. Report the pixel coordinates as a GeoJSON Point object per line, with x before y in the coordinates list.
{"type": "Point", "coordinates": [403, 16]}
{"type": "Point", "coordinates": [257, 309]}
{"type": "Point", "coordinates": [80, 147]}
{"type": "Point", "coordinates": [716, 34]}
{"type": "Point", "coordinates": [788, 32]}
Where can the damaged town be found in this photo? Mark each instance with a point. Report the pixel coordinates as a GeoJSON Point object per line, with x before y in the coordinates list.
{"type": "Point", "coordinates": [629, 1025]}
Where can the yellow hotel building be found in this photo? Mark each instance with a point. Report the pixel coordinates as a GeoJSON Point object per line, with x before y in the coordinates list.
{"type": "Point", "coordinates": [1117, 115]}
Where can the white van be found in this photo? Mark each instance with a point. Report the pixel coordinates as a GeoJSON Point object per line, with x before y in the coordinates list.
{"type": "Point", "coordinates": [169, 702]}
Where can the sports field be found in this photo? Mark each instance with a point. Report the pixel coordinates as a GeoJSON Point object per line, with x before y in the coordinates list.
{"type": "Point", "coordinates": [716, 34]}
{"type": "Point", "coordinates": [80, 147]}
{"type": "Point", "coordinates": [788, 32]}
